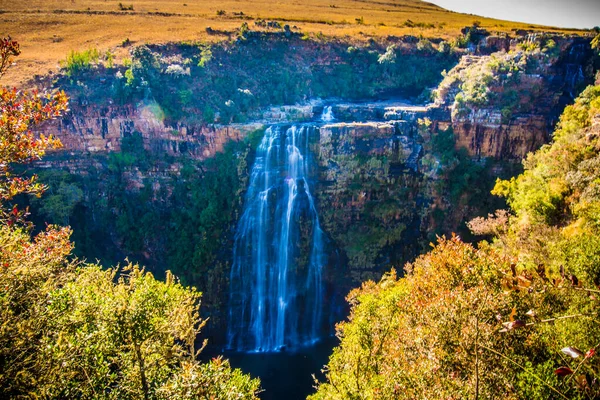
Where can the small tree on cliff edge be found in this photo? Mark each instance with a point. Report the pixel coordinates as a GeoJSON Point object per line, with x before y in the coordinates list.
{"type": "Point", "coordinates": [18, 111]}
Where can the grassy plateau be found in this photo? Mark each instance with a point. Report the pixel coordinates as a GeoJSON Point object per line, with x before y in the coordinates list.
{"type": "Point", "coordinates": [48, 29]}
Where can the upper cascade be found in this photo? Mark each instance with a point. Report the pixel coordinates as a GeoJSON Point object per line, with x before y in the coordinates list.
{"type": "Point", "coordinates": [276, 290]}
{"type": "Point", "coordinates": [327, 115]}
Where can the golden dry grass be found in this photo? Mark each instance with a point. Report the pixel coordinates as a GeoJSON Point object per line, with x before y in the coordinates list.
{"type": "Point", "coordinates": [49, 29]}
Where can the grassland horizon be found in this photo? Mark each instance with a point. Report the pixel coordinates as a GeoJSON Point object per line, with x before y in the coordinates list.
{"type": "Point", "coordinates": [49, 29]}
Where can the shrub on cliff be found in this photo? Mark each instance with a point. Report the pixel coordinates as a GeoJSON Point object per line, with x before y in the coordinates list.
{"type": "Point", "coordinates": [557, 197]}
{"type": "Point", "coordinates": [517, 318]}
{"type": "Point", "coordinates": [493, 82]}
{"type": "Point", "coordinates": [80, 61]}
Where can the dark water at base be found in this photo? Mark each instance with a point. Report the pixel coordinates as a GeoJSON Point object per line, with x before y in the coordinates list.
{"type": "Point", "coordinates": [284, 375]}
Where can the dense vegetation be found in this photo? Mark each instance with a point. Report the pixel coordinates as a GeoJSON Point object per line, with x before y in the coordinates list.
{"type": "Point", "coordinates": [516, 317]}
{"type": "Point", "coordinates": [71, 330]}
{"type": "Point", "coordinates": [203, 83]}
{"type": "Point", "coordinates": [461, 185]}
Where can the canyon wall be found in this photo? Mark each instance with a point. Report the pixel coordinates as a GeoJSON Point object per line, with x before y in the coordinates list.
{"type": "Point", "coordinates": [98, 130]}
{"type": "Point", "coordinates": [391, 175]}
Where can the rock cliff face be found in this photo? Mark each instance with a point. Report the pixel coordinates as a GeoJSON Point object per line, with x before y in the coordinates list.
{"type": "Point", "coordinates": [100, 130]}
{"type": "Point", "coordinates": [371, 194]}
{"type": "Point", "coordinates": [500, 104]}
{"type": "Point", "coordinates": [504, 105]}
{"type": "Point", "coordinates": [512, 141]}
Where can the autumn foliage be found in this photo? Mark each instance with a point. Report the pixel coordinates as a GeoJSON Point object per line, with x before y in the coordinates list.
{"type": "Point", "coordinates": [19, 110]}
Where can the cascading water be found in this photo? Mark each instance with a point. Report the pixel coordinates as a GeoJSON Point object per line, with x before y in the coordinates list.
{"type": "Point", "coordinates": [574, 75]}
{"type": "Point", "coordinates": [327, 114]}
{"type": "Point", "coordinates": [276, 293]}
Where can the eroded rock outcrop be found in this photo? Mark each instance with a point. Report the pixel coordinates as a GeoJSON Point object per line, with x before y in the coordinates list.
{"type": "Point", "coordinates": [505, 105]}
{"type": "Point", "coordinates": [369, 188]}
{"type": "Point", "coordinates": [512, 140]}
{"type": "Point", "coordinates": [97, 130]}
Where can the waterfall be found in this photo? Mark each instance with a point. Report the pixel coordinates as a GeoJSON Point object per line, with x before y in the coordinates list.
{"type": "Point", "coordinates": [276, 293]}
{"type": "Point", "coordinates": [574, 70]}
{"type": "Point", "coordinates": [327, 114]}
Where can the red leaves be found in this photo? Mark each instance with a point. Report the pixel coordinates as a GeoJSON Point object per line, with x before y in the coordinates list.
{"type": "Point", "coordinates": [590, 353]}
{"type": "Point", "coordinates": [563, 371]}
{"type": "Point", "coordinates": [8, 49]}
{"type": "Point", "coordinates": [18, 111]}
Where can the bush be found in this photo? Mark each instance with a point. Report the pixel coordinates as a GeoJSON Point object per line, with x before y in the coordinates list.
{"type": "Point", "coordinates": [86, 330]}
{"type": "Point", "coordinates": [123, 7]}
{"type": "Point", "coordinates": [78, 62]}
{"type": "Point", "coordinates": [425, 45]}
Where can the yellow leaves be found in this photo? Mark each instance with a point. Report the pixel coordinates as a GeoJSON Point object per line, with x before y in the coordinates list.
{"type": "Point", "coordinates": [524, 282]}
{"type": "Point", "coordinates": [575, 228]}
{"type": "Point", "coordinates": [512, 314]}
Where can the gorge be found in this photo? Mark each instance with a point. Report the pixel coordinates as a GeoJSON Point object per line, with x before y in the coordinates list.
{"type": "Point", "coordinates": [276, 197]}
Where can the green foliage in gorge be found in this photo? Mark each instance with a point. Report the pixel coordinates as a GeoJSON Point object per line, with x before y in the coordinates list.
{"type": "Point", "coordinates": [368, 207]}
{"type": "Point", "coordinates": [517, 318]}
{"type": "Point", "coordinates": [557, 197]}
{"type": "Point", "coordinates": [225, 82]}
{"type": "Point", "coordinates": [72, 330]}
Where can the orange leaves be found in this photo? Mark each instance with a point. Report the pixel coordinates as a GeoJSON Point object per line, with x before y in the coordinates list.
{"type": "Point", "coordinates": [8, 49]}
{"type": "Point", "coordinates": [513, 324]}
{"type": "Point", "coordinates": [48, 247]}
{"type": "Point", "coordinates": [18, 112]}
